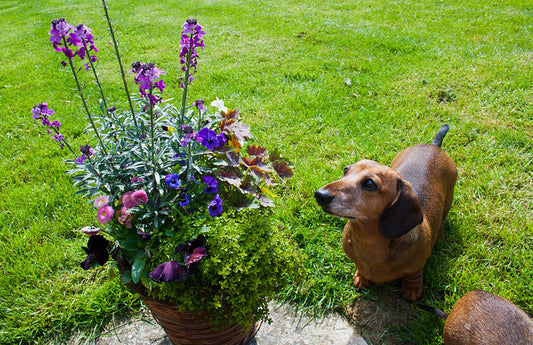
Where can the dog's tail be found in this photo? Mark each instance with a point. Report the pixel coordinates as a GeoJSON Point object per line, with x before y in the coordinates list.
{"type": "Point", "coordinates": [439, 137]}
{"type": "Point", "coordinates": [432, 310]}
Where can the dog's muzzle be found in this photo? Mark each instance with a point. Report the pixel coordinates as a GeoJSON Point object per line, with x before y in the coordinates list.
{"type": "Point", "coordinates": [323, 197]}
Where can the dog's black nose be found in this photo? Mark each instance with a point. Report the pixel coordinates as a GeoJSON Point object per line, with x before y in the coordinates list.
{"type": "Point", "coordinates": [323, 197]}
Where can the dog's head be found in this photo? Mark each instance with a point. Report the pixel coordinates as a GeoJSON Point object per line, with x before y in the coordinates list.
{"type": "Point", "coordinates": [373, 193]}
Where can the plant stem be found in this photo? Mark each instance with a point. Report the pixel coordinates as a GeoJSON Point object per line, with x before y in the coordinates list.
{"type": "Point", "coordinates": [119, 62]}
{"type": "Point", "coordinates": [186, 80]}
{"type": "Point", "coordinates": [153, 143]}
{"type": "Point", "coordinates": [95, 76]}
{"type": "Point", "coordinates": [80, 91]}
{"type": "Point", "coordinates": [65, 142]}
{"type": "Point", "coordinates": [98, 174]}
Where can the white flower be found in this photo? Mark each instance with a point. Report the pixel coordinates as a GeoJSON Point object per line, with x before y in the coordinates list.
{"type": "Point", "coordinates": [90, 230]}
{"type": "Point", "coordinates": [219, 104]}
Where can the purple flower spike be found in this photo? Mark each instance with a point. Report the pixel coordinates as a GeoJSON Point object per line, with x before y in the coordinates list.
{"type": "Point", "coordinates": [188, 135]}
{"type": "Point", "coordinates": [59, 28]}
{"type": "Point", "coordinates": [145, 76]}
{"type": "Point", "coordinates": [65, 36]}
{"type": "Point", "coordinates": [169, 271]}
{"type": "Point", "coordinates": [81, 159]}
{"type": "Point", "coordinates": [58, 137]}
{"type": "Point", "coordinates": [41, 112]}
{"type": "Point", "coordinates": [215, 206]}
{"type": "Point", "coordinates": [191, 38]}
{"type": "Point", "coordinates": [87, 150]}
{"type": "Point", "coordinates": [200, 105]}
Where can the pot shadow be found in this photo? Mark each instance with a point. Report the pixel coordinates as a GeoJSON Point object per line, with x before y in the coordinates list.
{"type": "Point", "coordinates": [382, 317]}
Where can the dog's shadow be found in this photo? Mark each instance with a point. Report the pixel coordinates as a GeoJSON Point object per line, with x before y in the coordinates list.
{"type": "Point", "coordinates": [382, 317]}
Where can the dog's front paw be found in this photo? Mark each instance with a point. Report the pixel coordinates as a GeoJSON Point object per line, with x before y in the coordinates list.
{"type": "Point", "coordinates": [413, 286]}
{"type": "Point", "coordinates": [412, 294]}
{"type": "Point", "coordinates": [360, 282]}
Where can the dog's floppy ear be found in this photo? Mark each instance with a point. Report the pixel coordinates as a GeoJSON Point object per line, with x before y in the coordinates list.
{"type": "Point", "coordinates": [404, 214]}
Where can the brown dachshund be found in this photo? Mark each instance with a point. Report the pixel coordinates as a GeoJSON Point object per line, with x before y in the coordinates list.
{"type": "Point", "coordinates": [394, 214]}
{"type": "Point", "coordinates": [480, 318]}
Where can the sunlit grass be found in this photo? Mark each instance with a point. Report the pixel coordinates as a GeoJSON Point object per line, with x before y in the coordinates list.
{"type": "Point", "coordinates": [328, 83]}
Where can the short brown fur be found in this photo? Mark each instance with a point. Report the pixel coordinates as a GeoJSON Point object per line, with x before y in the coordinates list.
{"type": "Point", "coordinates": [480, 318]}
{"type": "Point", "coordinates": [391, 230]}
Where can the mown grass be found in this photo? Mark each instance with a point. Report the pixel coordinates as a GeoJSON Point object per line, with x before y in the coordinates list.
{"type": "Point", "coordinates": [326, 82]}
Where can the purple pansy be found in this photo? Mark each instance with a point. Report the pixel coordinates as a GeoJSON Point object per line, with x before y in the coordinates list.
{"type": "Point", "coordinates": [144, 236]}
{"type": "Point", "coordinates": [184, 199]}
{"type": "Point", "coordinates": [196, 255]}
{"type": "Point", "coordinates": [96, 251]}
{"type": "Point", "coordinates": [173, 180]}
{"type": "Point", "coordinates": [215, 206]}
{"type": "Point", "coordinates": [169, 271]}
{"type": "Point", "coordinates": [209, 139]}
{"type": "Point", "coordinates": [211, 184]}
{"type": "Point", "coordinates": [193, 251]}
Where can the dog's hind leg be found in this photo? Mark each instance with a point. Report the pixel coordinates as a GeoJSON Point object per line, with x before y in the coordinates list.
{"type": "Point", "coordinates": [413, 285]}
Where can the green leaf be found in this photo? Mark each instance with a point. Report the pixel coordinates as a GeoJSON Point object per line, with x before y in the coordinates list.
{"type": "Point", "coordinates": [130, 244]}
{"type": "Point", "coordinates": [137, 269]}
{"type": "Point", "coordinates": [125, 278]}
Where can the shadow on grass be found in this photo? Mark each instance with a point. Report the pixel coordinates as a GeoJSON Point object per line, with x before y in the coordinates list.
{"type": "Point", "coordinates": [382, 317]}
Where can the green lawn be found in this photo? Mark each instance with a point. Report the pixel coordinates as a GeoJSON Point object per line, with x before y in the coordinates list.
{"type": "Point", "coordinates": [326, 82]}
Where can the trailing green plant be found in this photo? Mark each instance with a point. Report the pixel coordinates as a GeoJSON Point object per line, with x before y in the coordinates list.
{"type": "Point", "coordinates": [162, 177]}
{"type": "Point", "coordinates": [249, 262]}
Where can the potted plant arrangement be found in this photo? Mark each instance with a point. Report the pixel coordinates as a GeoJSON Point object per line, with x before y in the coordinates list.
{"type": "Point", "coordinates": [180, 194]}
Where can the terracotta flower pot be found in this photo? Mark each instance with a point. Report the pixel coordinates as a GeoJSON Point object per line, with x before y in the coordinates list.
{"type": "Point", "coordinates": [186, 328]}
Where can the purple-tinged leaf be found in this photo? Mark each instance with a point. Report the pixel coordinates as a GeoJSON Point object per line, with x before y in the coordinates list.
{"type": "Point", "coordinates": [257, 151]}
{"type": "Point", "coordinates": [283, 169]}
{"type": "Point", "coordinates": [229, 176]}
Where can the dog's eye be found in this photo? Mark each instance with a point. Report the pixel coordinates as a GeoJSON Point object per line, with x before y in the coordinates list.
{"type": "Point", "coordinates": [370, 185]}
{"type": "Point", "coordinates": [345, 170]}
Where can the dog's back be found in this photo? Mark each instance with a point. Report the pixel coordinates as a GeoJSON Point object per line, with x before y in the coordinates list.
{"type": "Point", "coordinates": [432, 174]}
{"type": "Point", "coordinates": [480, 317]}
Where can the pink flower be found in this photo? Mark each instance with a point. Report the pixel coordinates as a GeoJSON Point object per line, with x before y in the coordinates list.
{"type": "Point", "coordinates": [136, 179]}
{"type": "Point", "coordinates": [139, 197]}
{"type": "Point", "coordinates": [125, 217]}
{"type": "Point", "coordinates": [101, 201]}
{"type": "Point", "coordinates": [127, 199]}
{"type": "Point", "coordinates": [105, 214]}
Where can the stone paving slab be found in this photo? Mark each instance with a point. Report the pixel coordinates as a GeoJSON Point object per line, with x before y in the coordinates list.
{"type": "Point", "coordinates": [288, 327]}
